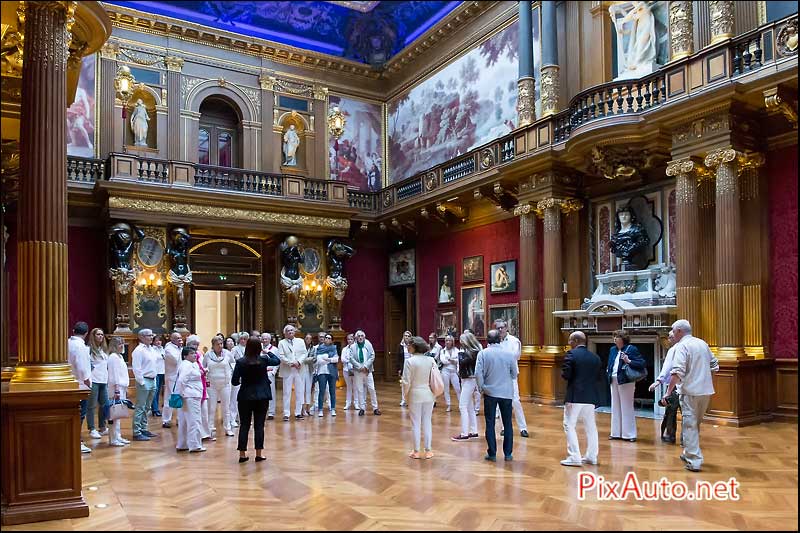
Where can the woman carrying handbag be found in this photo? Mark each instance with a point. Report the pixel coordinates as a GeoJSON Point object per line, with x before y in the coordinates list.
{"type": "Point", "coordinates": [118, 382]}
{"type": "Point", "coordinates": [624, 356]}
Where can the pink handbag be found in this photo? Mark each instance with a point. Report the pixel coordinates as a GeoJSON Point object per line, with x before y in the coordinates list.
{"type": "Point", "coordinates": [436, 382]}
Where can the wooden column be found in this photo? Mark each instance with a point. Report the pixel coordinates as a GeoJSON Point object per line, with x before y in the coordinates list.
{"type": "Point", "coordinates": [553, 274]}
{"type": "Point", "coordinates": [529, 305]}
{"type": "Point", "coordinates": [687, 231]}
{"type": "Point", "coordinates": [755, 263]}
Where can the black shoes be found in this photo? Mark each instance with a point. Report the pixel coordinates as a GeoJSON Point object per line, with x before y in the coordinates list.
{"type": "Point", "coordinates": [376, 412]}
{"type": "Point", "coordinates": [360, 412]}
{"type": "Point", "coordinates": [244, 459]}
{"type": "Point", "coordinates": [524, 433]}
{"type": "Point", "coordinates": [491, 458]}
{"type": "Point", "coordinates": [259, 459]}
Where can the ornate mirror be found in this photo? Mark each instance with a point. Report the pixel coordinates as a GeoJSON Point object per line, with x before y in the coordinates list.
{"type": "Point", "coordinates": [150, 252]}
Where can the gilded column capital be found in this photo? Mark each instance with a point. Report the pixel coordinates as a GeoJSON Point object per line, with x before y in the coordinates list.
{"type": "Point", "coordinates": [680, 166]}
{"type": "Point", "coordinates": [550, 84]}
{"type": "Point", "coordinates": [523, 209]}
{"type": "Point", "coordinates": [551, 208]}
{"type": "Point", "coordinates": [722, 20]}
{"type": "Point", "coordinates": [174, 64]}
{"type": "Point", "coordinates": [267, 81]}
{"type": "Point", "coordinates": [109, 50]}
{"type": "Point", "coordinates": [526, 103]}
{"type": "Point", "coordinates": [721, 155]}
{"type": "Point", "coordinates": [681, 38]}
{"type": "Point", "coordinates": [320, 92]}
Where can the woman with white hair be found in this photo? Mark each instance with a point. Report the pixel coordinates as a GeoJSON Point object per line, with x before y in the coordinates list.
{"type": "Point", "coordinates": [191, 388]}
{"type": "Point", "coordinates": [218, 362]}
{"type": "Point", "coordinates": [193, 341]}
{"type": "Point", "coordinates": [118, 382]}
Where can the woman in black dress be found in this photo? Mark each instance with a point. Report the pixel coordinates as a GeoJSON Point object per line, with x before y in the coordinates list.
{"type": "Point", "coordinates": [254, 395]}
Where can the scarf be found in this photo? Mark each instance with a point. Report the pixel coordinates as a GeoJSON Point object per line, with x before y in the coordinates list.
{"type": "Point", "coordinates": [360, 351]}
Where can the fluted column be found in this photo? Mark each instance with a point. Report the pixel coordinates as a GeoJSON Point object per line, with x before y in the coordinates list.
{"type": "Point", "coordinates": [529, 276]}
{"type": "Point", "coordinates": [728, 224]}
{"type": "Point", "coordinates": [754, 263]}
{"type": "Point", "coordinates": [681, 34]}
{"type": "Point", "coordinates": [526, 84]}
{"type": "Point", "coordinates": [173, 103]}
{"type": "Point", "coordinates": [42, 245]}
{"type": "Point", "coordinates": [722, 20]}
{"type": "Point", "coordinates": [550, 70]}
{"type": "Point", "coordinates": [108, 69]}
{"type": "Point", "coordinates": [687, 230]}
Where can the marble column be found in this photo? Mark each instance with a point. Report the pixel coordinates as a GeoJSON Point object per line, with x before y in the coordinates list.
{"type": "Point", "coordinates": [173, 103]}
{"type": "Point", "coordinates": [722, 20]}
{"type": "Point", "coordinates": [526, 84]}
{"type": "Point", "coordinates": [687, 229]}
{"type": "Point", "coordinates": [42, 207]}
{"type": "Point", "coordinates": [729, 250]}
{"type": "Point", "coordinates": [550, 82]}
{"type": "Point", "coordinates": [529, 275]}
{"type": "Point", "coordinates": [681, 29]}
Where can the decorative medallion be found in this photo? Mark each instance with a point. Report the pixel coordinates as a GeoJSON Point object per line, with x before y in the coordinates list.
{"type": "Point", "coordinates": [430, 181]}
{"type": "Point", "coordinates": [787, 38]}
{"type": "Point", "coordinates": [487, 158]}
{"type": "Point", "coordinates": [387, 198]}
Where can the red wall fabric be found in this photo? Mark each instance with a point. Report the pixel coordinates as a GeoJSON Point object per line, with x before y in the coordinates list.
{"type": "Point", "coordinates": [495, 242]}
{"type": "Point", "coordinates": [782, 172]}
{"type": "Point", "coordinates": [367, 275]}
{"type": "Point", "coordinates": [11, 277]}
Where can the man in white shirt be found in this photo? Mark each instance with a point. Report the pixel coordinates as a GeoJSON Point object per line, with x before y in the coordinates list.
{"type": "Point", "coordinates": [691, 367]}
{"type": "Point", "coordinates": [362, 359]}
{"type": "Point", "coordinates": [80, 361]}
{"type": "Point", "coordinates": [143, 362]}
{"type": "Point", "coordinates": [267, 347]}
{"type": "Point", "coordinates": [172, 359]}
{"type": "Point", "coordinates": [512, 344]}
{"type": "Point", "coordinates": [292, 351]}
{"type": "Point", "coordinates": [238, 353]}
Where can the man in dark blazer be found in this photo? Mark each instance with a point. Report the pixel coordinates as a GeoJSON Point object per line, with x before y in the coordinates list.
{"type": "Point", "coordinates": [583, 371]}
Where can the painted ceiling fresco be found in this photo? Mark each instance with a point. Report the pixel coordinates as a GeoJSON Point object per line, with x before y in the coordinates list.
{"type": "Point", "coordinates": [368, 32]}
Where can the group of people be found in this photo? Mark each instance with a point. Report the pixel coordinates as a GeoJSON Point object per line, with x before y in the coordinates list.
{"type": "Point", "coordinates": [237, 376]}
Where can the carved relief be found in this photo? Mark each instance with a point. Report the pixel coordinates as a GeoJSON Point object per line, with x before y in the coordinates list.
{"type": "Point", "coordinates": [550, 88]}
{"type": "Point", "coordinates": [526, 104]}
{"type": "Point", "coordinates": [775, 103]}
{"type": "Point", "coordinates": [621, 162]}
{"type": "Point", "coordinates": [430, 181]}
{"type": "Point", "coordinates": [691, 131]}
{"type": "Point", "coordinates": [487, 158]}
{"type": "Point", "coordinates": [722, 21]}
{"type": "Point", "coordinates": [604, 221]}
{"type": "Point", "coordinates": [787, 39]}
{"type": "Point", "coordinates": [680, 29]}
{"type": "Point", "coordinates": [142, 58]}
{"type": "Point", "coordinates": [187, 84]}
{"type": "Point", "coordinates": [292, 87]}
{"type": "Point", "coordinates": [174, 64]}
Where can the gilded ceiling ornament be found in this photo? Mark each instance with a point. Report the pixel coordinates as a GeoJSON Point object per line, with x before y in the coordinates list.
{"type": "Point", "coordinates": [680, 29]}
{"type": "Point", "coordinates": [787, 38]}
{"type": "Point", "coordinates": [550, 87]}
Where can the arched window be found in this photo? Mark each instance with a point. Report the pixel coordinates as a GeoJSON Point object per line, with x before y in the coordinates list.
{"type": "Point", "coordinates": [219, 138]}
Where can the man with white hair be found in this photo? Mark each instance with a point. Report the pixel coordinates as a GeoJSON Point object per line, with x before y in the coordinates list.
{"type": "Point", "coordinates": [583, 371]}
{"type": "Point", "coordinates": [143, 362]}
{"type": "Point", "coordinates": [512, 344]}
{"type": "Point", "coordinates": [172, 358]}
{"type": "Point", "coordinates": [692, 365]}
{"type": "Point", "coordinates": [268, 348]}
{"type": "Point", "coordinates": [238, 353]}
{"type": "Point", "coordinates": [362, 359]}
{"type": "Point", "coordinates": [292, 351]}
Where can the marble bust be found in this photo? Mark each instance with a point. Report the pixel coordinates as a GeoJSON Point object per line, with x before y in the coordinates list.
{"type": "Point", "coordinates": [630, 240]}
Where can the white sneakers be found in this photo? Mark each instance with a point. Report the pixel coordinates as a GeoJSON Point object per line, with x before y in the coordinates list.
{"type": "Point", "coordinates": [570, 462]}
{"type": "Point", "coordinates": [448, 409]}
{"type": "Point", "coordinates": [85, 448]}
{"type": "Point", "coordinates": [320, 414]}
{"type": "Point", "coordinates": [117, 443]}
{"type": "Point", "coordinates": [95, 434]}
{"type": "Point", "coordinates": [202, 449]}
{"type": "Point", "coordinates": [333, 412]}
{"type": "Point", "coordinates": [104, 432]}
{"type": "Point", "coordinates": [229, 433]}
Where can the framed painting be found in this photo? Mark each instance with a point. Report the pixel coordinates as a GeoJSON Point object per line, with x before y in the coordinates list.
{"type": "Point", "coordinates": [472, 268]}
{"type": "Point", "coordinates": [445, 295]}
{"type": "Point", "coordinates": [402, 268]}
{"type": "Point", "coordinates": [473, 309]}
{"type": "Point", "coordinates": [447, 323]}
{"type": "Point", "coordinates": [503, 276]}
{"type": "Point", "coordinates": [507, 312]}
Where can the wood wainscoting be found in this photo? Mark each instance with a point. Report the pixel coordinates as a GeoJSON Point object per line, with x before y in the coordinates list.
{"type": "Point", "coordinates": [786, 389]}
{"type": "Point", "coordinates": [547, 385]}
{"type": "Point", "coordinates": [744, 392]}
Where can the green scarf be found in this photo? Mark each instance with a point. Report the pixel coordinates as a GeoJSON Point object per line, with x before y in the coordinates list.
{"type": "Point", "coordinates": [360, 351]}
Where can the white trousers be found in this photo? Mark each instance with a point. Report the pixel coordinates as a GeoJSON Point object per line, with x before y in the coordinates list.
{"type": "Point", "coordinates": [476, 397]}
{"type": "Point", "coordinates": [205, 424]}
{"type": "Point", "coordinates": [166, 411]}
{"type": "Point", "coordinates": [466, 405]}
{"type": "Point", "coordinates": [693, 408]}
{"type": "Point", "coordinates": [450, 377]}
{"type": "Point", "coordinates": [115, 430]}
{"type": "Point", "coordinates": [293, 379]}
{"type": "Point", "coordinates": [421, 413]}
{"type": "Point", "coordinates": [623, 420]}
{"type": "Point", "coordinates": [585, 412]}
{"type": "Point", "coordinates": [308, 385]}
{"type": "Point", "coordinates": [516, 405]}
{"type": "Point", "coordinates": [363, 383]}
{"type": "Point", "coordinates": [234, 403]}
{"type": "Point", "coordinates": [348, 382]}
{"type": "Point", "coordinates": [189, 425]}
{"type": "Point", "coordinates": [271, 408]}
{"type": "Point", "coordinates": [219, 391]}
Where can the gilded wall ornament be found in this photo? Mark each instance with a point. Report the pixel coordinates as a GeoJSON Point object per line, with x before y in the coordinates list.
{"type": "Point", "coordinates": [681, 40]}
{"type": "Point", "coordinates": [774, 104]}
{"type": "Point", "coordinates": [431, 181]}
{"type": "Point", "coordinates": [550, 84]}
{"type": "Point", "coordinates": [141, 58]}
{"type": "Point", "coordinates": [487, 158]}
{"type": "Point", "coordinates": [174, 64]}
{"type": "Point", "coordinates": [526, 105]}
{"type": "Point", "coordinates": [722, 20]}
{"type": "Point", "coordinates": [387, 198]}
{"type": "Point", "coordinates": [523, 209]}
{"type": "Point", "coordinates": [621, 162]}
{"type": "Point", "coordinates": [293, 87]}
{"type": "Point", "coordinates": [187, 84]}
{"type": "Point", "coordinates": [787, 38]}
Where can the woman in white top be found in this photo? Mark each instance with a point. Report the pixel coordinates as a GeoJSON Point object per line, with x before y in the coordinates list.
{"type": "Point", "coordinates": [416, 387]}
{"type": "Point", "coordinates": [190, 387]}
{"type": "Point", "coordinates": [448, 356]}
{"type": "Point", "coordinates": [404, 355]}
{"type": "Point", "coordinates": [118, 382]}
{"type": "Point", "coordinates": [218, 363]}
{"type": "Point", "coordinates": [347, 370]}
{"type": "Point", "coordinates": [98, 352]}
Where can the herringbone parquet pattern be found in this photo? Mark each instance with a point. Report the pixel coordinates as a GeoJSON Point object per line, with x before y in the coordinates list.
{"type": "Point", "coordinates": [352, 473]}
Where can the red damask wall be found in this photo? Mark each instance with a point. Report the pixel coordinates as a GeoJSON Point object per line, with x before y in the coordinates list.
{"type": "Point", "coordinates": [87, 280]}
{"type": "Point", "coordinates": [495, 242]}
{"type": "Point", "coordinates": [367, 275]}
{"type": "Point", "coordinates": [782, 172]}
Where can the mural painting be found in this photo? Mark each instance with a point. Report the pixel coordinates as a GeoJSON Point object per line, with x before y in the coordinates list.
{"type": "Point", "coordinates": [357, 156]}
{"type": "Point", "coordinates": [80, 115]}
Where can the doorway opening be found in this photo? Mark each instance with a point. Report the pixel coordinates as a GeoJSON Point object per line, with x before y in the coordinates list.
{"type": "Point", "coordinates": [217, 311]}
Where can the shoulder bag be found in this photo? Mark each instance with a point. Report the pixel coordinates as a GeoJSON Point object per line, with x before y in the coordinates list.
{"type": "Point", "coordinates": [435, 382]}
{"type": "Point", "coordinates": [175, 400]}
{"type": "Point", "coordinates": [632, 374]}
{"type": "Point", "coordinates": [118, 410]}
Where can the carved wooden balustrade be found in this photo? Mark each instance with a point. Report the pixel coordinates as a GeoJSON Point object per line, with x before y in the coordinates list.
{"type": "Point", "coordinates": [85, 169]}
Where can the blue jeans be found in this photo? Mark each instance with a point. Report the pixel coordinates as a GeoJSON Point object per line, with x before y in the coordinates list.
{"type": "Point", "coordinates": [157, 396]}
{"type": "Point", "coordinates": [490, 404]}
{"type": "Point", "coordinates": [329, 381]}
{"type": "Point", "coordinates": [84, 406]}
{"type": "Point", "coordinates": [98, 396]}
{"type": "Point", "coordinates": [144, 397]}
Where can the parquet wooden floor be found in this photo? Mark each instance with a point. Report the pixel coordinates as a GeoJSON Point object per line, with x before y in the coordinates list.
{"type": "Point", "coordinates": [352, 473]}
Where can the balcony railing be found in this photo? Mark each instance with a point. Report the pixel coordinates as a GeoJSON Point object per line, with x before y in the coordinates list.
{"type": "Point", "coordinates": [84, 169]}
{"type": "Point", "coordinates": [236, 179]}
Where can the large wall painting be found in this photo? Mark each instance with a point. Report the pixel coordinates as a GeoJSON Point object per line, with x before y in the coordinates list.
{"type": "Point", "coordinates": [469, 102]}
{"type": "Point", "coordinates": [80, 115]}
{"type": "Point", "coordinates": [357, 156]}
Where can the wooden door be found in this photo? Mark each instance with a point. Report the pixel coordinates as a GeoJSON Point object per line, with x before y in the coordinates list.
{"type": "Point", "coordinates": [394, 325]}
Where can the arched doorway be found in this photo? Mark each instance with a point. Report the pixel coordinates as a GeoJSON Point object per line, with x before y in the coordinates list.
{"type": "Point", "coordinates": [219, 141]}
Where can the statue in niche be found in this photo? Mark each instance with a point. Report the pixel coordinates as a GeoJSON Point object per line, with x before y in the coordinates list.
{"type": "Point", "coordinates": [338, 253]}
{"type": "Point", "coordinates": [630, 240]}
{"type": "Point", "coordinates": [179, 274]}
{"type": "Point", "coordinates": [121, 238]}
{"type": "Point", "coordinates": [291, 142]}
{"type": "Point", "coordinates": [636, 38]}
{"type": "Point", "coordinates": [139, 120]}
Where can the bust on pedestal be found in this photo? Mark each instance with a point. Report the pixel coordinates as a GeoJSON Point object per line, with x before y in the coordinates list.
{"type": "Point", "coordinates": [630, 240]}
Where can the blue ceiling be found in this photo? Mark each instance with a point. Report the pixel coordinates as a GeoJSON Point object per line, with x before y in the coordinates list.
{"type": "Point", "coordinates": [367, 32]}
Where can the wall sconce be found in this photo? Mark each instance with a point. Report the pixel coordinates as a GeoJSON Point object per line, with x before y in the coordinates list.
{"type": "Point", "coordinates": [336, 122]}
{"type": "Point", "coordinates": [309, 289]}
{"type": "Point", "coordinates": [150, 284]}
{"type": "Point", "coordinates": [123, 85]}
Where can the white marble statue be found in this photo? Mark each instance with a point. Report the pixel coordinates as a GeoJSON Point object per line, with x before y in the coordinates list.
{"type": "Point", "coordinates": [636, 38]}
{"type": "Point", "coordinates": [291, 141]}
{"type": "Point", "coordinates": [139, 120]}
